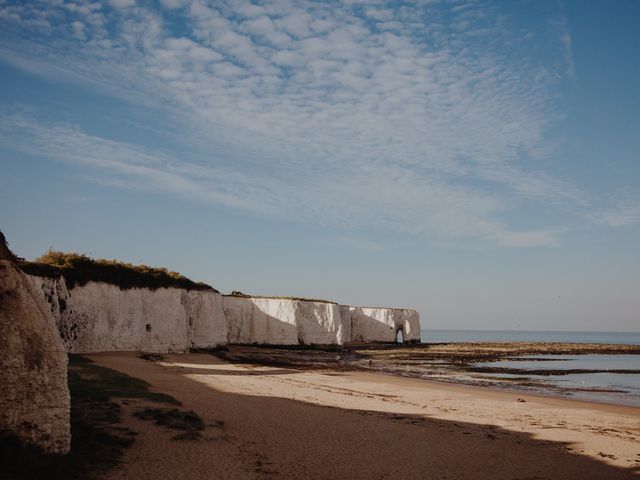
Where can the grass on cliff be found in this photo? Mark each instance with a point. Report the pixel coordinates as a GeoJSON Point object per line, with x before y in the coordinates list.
{"type": "Point", "coordinates": [98, 440]}
{"type": "Point", "coordinates": [78, 269]}
{"type": "Point", "coordinates": [237, 293]}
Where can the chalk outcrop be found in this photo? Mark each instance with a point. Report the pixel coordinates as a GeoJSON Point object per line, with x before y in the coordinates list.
{"type": "Point", "coordinates": [99, 317]}
{"type": "Point", "coordinates": [105, 305]}
{"type": "Point", "coordinates": [34, 396]}
{"type": "Point", "coordinates": [383, 324]}
{"type": "Point", "coordinates": [277, 321]}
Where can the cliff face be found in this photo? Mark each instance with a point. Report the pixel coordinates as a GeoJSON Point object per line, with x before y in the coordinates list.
{"type": "Point", "coordinates": [98, 317]}
{"type": "Point", "coordinates": [34, 396]}
{"type": "Point", "coordinates": [101, 317]}
{"type": "Point", "coordinates": [275, 321]}
{"type": "Point", "coordinates": [383, 324]}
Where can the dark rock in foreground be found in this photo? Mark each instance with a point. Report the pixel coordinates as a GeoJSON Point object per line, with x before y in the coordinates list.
{"type": "Point", "coordinates": [34, 398]}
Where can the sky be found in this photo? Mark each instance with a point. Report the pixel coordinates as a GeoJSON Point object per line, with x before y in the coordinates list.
{"type": "Point", "coordinates": [478, 161]}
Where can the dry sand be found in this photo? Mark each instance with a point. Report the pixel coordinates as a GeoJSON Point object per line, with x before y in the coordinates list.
{"type": "Point", "coordinates": [267, 422]}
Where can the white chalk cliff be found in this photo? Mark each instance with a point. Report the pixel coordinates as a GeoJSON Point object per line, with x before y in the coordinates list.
{"type": "Point", "coordinates": [99, 317]}
{"type": "Point", "coordinates": [383, 324]}
{"type": "Point", "coordinates": [276, 321]}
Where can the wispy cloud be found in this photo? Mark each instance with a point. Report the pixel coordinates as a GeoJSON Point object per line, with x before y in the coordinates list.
{"type": "Point", "coordinates": [421, 117]}
{"type": "Point", "coordinates": [133, 167]}
{"type": "Point", "coordinates": [388, 198]}
{"type": "Point", "coordinates": [560, 26]}
{"type": "Point", "coordinates": [362, 244]}
{"type": "Point", "coordinates": [626, 211]}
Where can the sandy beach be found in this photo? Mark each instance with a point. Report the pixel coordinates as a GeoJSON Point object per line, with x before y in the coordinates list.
{"type": "Point", "coordinates": [272, 422]}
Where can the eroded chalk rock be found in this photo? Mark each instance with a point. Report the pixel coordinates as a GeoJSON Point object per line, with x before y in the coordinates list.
{"type": "Point", "coordinates": [277, 321]}
{"type": "Point", "coordinates": [34, 395]}
{"type": "Point", "coordinates": [101, 317]}
{"type": "Point", "coordinates": [383, 324]}
{"type": "Point", "coordinates": [105, 306]}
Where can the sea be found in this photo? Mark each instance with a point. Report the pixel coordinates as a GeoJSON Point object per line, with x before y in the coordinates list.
{"type": "Point", "coordinates": [446, 336]}
{"type": "Point", "coordinates": [604, 386]}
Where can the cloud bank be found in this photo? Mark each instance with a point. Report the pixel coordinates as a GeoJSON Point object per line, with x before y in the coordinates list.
{"type": "Point", "coordinates": [422, 117]}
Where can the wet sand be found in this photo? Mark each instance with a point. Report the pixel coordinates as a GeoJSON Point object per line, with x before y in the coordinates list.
{"type": "Point", "coordinates": [275, 422]}
{"type": "Point", "coordinates": [466, 363]}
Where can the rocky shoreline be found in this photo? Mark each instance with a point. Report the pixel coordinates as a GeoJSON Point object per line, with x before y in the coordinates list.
{"type": "Point", "coordinates": [454, 354]}
{"type": "Point", "coordinates": [449, 362]}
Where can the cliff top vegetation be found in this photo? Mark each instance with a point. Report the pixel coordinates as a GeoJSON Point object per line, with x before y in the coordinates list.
{"type": "Point", "coordinates": [78, 269]}
{"type": "Point", "coordinates": [237, 293]}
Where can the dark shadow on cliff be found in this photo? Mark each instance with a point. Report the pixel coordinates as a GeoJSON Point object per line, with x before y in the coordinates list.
{"type": "Point", "coordinates": [329, 442]}
{"type": "Point", "coordinates": [281, 334]}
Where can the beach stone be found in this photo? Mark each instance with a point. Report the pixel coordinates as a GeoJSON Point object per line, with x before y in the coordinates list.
{"type": "Point", "coordinates": [34, 395]}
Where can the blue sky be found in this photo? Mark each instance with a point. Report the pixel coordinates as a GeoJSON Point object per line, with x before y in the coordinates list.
{"type": "Point", "coordinates": [478, 161]}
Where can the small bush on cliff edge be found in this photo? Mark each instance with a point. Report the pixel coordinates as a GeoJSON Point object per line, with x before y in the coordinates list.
{"type": "Point", "coordinates": [238, 293]}
{"type": "Point", "coordinates": [78, 269]}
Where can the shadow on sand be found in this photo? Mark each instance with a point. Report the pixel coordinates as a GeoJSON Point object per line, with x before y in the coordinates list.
{"type": "Point", "coordinates": [272, 437]}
